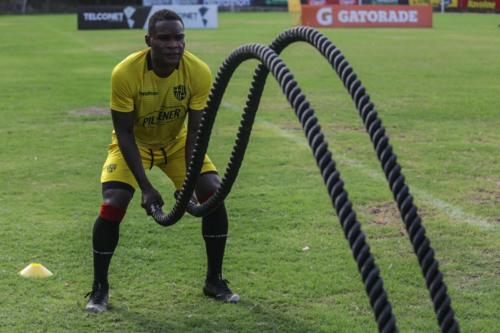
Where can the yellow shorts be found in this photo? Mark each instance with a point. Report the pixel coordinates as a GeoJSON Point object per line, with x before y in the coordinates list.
{"type": "Point", "coordinates": [171, 160]}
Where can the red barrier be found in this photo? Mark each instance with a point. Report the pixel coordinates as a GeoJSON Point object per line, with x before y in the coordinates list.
{"type": "Point", "coordinates": [367, 16]}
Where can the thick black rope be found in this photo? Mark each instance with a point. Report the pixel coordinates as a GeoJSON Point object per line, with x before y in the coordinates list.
{"type": "Point", "coordinates": [425, 254]}
{"type": "Point", "coordinates": [352, 228]}
{"type": "Point", "coordinates": [392, 170]}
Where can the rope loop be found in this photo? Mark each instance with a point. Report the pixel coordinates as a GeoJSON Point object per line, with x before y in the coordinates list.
{"type": "Point", "coordinates": [271, 63]}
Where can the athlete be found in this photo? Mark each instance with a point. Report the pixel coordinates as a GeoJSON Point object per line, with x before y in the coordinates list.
{"type": "Point", "coordinates": [153, 91]}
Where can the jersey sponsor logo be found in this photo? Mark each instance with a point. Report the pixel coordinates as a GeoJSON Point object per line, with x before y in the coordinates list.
{"type": "Point", "coordinates": [160, 117]}
{"type": "Point", "coordinates": [180, 92]}
{"type": "Point", "coordinates": [149, 93]}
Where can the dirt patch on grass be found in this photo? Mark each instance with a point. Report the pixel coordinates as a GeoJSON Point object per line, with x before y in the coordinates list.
{"type": "Point", "coordinates": [387, 214]}
{"type": "Point", "coordinates": [484, 196]}
{"type": "Point", "coordinates": [291, 126]}
{"type": "Point", "coordinates": [383, 214]}
{"type": "Point", "coordinates": [295, 125]}
{"type": "Point", "coordinates": [347, 128]}
{"type": "Point", "coordinates": [92, 111]}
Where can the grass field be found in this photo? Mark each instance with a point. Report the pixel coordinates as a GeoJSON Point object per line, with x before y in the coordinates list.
{"type": "Point", "coordinates": [437, 92]}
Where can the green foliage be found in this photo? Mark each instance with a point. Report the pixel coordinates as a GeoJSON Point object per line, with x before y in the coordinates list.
{"type": "Point", "coordinates": [436, 91]}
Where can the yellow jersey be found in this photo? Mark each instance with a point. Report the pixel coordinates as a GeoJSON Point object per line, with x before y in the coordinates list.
{"type": "Point", "coordinates": [160, 104]}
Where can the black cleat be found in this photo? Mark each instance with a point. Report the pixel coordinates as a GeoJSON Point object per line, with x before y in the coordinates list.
{"type": "Point", "coordinates": [220, 291]}
{"type": "Point", "coordinates": [98, 300]}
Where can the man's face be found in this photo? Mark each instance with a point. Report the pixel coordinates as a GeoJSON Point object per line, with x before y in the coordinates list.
{"type": "Point", "coordinates": [166, 42]}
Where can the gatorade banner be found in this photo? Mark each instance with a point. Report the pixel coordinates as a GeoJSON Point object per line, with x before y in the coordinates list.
{"type": "Point", "coordinates": [367, 16]}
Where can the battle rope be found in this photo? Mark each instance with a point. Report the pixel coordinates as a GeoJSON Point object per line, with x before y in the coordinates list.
{"type": "Point", "coordinates": [331, 177]}
{"type": "Point", "coordinates": [392, 170]}
{"type": "Point", "coordinates": [352, 228]}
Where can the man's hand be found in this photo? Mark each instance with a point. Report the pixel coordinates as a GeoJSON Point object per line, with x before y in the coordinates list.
{"type": "Point", "coordinates": [150, 196]}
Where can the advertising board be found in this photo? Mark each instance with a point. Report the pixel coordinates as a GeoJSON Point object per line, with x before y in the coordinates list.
{"type": "Point", "coordinates": [194, 16]}
{"type": "Point", "coordinates": [367, 16]}
{"type": "Point", "coordinates": [137, 17]}
{"type": "Point", "coordinates": [435, 3]}
{"type": "Point", "coordinates": [482, 4]}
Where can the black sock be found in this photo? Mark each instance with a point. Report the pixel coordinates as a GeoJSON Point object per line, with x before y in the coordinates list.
{"type": "Point", "coordinates": [214, 231]}
{"type": "Point", "coordinates": [104, 240]}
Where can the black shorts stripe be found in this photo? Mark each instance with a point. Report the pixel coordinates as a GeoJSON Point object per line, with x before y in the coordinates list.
{"type": "Point", "coordinates": [117, 185]}
{"type": "Point", "coordinates": [164, 155]}
{"type": "Point", "coordinates": [209, 172]}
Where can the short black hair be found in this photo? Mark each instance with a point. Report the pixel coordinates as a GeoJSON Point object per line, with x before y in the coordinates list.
{"type": "Point", "coordinates": [163, 15]}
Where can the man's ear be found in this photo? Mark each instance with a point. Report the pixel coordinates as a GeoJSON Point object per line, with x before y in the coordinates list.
{"type": "Point", "coordinates": [147, 40]}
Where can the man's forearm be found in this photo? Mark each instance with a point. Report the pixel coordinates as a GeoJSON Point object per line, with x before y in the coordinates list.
{"type": "Point", "coordinates": [131, 154]}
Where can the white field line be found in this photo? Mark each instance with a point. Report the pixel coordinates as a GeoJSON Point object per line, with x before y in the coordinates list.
{"type": "Point", "coordinates": [455, 212]}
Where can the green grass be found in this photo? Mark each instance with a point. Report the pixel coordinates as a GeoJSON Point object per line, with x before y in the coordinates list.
{"type": "Point", "coordinates": [437, 91]}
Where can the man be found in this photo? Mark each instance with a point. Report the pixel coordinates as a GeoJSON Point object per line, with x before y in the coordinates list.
{"type": "Point", "coordinates": [152, 92]}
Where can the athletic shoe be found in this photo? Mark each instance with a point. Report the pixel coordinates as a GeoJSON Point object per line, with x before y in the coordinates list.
{"type": "Point", "coordinates": [98, 300]}
{"type": "Point", "coordinates": [220, 291]}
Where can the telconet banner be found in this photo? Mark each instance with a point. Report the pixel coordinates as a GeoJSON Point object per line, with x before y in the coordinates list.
{"type": "Point", "coordinates": [367, 16]}
{"type": "Point", "coordinates": [112, 17]}
{"type": "Point", "coordinates": [193, 16]}
{"type": "Point", "coordinates": [137, 17]}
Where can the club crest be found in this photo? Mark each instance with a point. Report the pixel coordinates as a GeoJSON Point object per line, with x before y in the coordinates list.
{"type": "Point", "coordinates": [111, 167]}
{"type": "Point", "coordinates": [180, 92]}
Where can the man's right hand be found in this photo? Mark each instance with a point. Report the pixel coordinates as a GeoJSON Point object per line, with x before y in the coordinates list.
{"type": "Point", "coordinates": [150, 196]}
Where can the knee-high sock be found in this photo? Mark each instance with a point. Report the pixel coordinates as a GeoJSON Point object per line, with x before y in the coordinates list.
{"type": "Point", "coordinates": [214, 229]}
{"type": "Point", "coordinates": [104, 240]}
